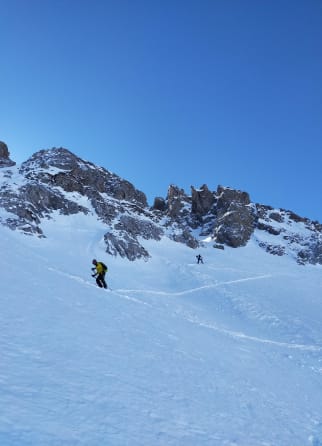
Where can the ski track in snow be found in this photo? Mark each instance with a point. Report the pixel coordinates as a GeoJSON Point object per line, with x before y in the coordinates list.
{"type": "Point", "coordinates": [194, 290]}
{"type": "Point", "coordinates": [236, 335]}
{"type": "Point", "coordinates": [312, 348]}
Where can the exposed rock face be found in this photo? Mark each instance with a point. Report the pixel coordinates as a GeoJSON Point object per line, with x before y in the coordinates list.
{"type": "Point", "coordinates": [5, 161]}
{"type": "Point", "coordinates": [159, 204]}
{"type": "Point", "coordinates": [125, 243]}
{"type": "Point", "coordinates": [179, 217]}
{"type": "Point", "coordinates": [202, 200]}
{"type": "Point", "coordinates": [290, 234]}
{"type": "Point", "coordinates": [57, 180]}
{"type": "Point", "coordinates": [61, 168]}
{"type": "Point", "coordinates": [178, 203]}
{"type": "Point", "coordinates": [185, 237]}
{"type": "Point", "coordinates": [235, 217]}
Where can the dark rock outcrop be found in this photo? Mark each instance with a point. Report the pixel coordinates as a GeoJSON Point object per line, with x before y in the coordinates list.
{"type": "Point", "coordinates": [5, 160]}
{"type": "Point", "coordinates": [202, 200]}
{"type": "Point", "coordinates": [178, 203]}
{"type": "Point", "coordinates": [235, 217]}
{"type": "Point", "coordinates": [159, 204]}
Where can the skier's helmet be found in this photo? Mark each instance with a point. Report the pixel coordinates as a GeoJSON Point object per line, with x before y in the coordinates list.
{"type": "Point", "coordinates": [94, 261]}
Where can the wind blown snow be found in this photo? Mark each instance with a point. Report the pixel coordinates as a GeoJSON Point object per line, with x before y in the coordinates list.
{"type": "Point", "coordinates": [175, 353]}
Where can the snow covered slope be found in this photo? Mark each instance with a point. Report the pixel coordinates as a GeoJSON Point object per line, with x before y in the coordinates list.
{"type": "Point", "coordinates": [175, 354]}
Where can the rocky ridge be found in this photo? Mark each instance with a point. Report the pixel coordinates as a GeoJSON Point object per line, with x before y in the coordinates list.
{"type": "Point", "coordinates": [57, 180]}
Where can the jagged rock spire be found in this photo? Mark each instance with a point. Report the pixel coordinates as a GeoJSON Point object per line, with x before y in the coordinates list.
{"type": "Point", "coordinates": [5, 161]}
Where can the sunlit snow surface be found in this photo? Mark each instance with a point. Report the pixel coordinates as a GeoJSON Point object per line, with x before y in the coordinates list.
{"type": "Point", "coordinates": [174, 354]}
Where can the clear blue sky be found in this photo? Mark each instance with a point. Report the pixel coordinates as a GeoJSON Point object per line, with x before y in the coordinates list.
{"type": "Point", "coordinates": [171, 91]}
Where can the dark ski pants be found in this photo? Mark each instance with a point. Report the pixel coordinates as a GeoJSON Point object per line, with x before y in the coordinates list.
{"type": "Point", "coordinates": [100, 280]}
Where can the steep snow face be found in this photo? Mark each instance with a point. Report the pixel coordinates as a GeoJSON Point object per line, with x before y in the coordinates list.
{"type": "Point", "coordinates": [175, 353]}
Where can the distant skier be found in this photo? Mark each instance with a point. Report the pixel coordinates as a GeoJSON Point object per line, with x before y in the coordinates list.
{"type": "Point", "coordinates": [100, 270]}
{"type": "Point", "coordinates": [199, 258]}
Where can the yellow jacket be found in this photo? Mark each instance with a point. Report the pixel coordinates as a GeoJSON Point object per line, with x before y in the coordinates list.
{"type": "Point", "coordinates": [99, 268]}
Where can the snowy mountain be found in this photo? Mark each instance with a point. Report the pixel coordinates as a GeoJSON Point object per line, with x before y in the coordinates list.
{"type": "Point", "coordinates": [175, 353]}
{"type": "Point", "coordinates": [57, 180]}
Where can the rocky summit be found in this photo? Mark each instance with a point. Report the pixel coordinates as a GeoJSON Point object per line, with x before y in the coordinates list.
{"type": "Point", "coordinates": [56, 180]}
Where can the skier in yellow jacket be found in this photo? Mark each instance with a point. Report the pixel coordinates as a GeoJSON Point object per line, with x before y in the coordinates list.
{"type": "Point", "coordinates": [100, 270]}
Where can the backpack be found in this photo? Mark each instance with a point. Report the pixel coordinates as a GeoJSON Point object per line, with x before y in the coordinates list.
{"type": "Point", "coordinates": [104, 267]}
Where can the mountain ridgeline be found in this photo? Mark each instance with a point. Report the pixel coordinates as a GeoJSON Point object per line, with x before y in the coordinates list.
{"type": "Point", "coordinates": [56, 180]}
